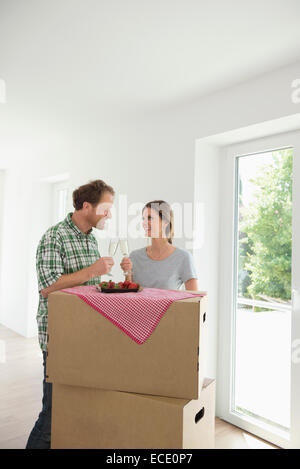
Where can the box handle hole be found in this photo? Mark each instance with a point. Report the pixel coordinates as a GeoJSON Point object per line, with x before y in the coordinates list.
{"type": "Point", "coordinates": [204, 317]}
{"type": "Point", "coordinates": [199, 415]}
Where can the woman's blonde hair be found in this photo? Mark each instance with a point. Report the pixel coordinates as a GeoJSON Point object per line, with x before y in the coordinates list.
{"type": "Point", "coordinates": [163, 209]}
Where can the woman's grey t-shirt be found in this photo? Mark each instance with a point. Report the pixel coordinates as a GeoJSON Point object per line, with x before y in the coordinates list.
{"type": "Point", "coordinates": [170, 273]}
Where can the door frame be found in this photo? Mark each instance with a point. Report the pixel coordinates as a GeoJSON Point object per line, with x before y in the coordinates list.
{"type": "Point", "coordinates": [228, 164]}
{"type": "Point", "coordinates": [56, 188]}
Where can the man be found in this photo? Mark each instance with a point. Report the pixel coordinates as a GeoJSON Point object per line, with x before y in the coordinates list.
{"type": "Point", "coordinates": [68, 255]}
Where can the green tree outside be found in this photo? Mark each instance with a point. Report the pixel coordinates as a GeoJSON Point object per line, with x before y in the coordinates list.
{"type": "Point", "coordinates": [265, 231]}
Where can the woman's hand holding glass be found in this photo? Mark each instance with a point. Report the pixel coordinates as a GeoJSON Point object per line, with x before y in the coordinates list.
{"type": "Point", "coordinates": [126, 264]}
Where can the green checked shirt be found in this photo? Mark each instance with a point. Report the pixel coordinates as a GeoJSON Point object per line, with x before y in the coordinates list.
{"type": "Point", "coordinates": [63, 249]}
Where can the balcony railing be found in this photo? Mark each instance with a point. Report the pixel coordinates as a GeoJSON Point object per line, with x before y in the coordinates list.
{"type": "Point", "coordinates": [275, 306]}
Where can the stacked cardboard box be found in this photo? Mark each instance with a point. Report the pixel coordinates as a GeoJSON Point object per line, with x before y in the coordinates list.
{"type": "Point", "coordinates": [109, 392]}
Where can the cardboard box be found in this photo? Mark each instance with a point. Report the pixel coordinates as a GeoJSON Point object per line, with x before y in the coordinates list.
{"type": "Point", "coordinates": [86, 349]}
{"type": "Point", "coordinates": [94, 418]}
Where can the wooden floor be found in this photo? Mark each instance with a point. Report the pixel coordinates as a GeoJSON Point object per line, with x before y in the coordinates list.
{"type": "Point", "coordinates": [21, 376]}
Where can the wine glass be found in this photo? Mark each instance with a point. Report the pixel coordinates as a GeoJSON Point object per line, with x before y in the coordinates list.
{"type": "Point", "coordinates": [113, 244]}
{"type": "Point", "coordinates": [124, 249]}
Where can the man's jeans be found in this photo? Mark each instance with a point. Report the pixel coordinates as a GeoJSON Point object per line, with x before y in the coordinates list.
{"type": "Point", "coordinates": [40, 436]}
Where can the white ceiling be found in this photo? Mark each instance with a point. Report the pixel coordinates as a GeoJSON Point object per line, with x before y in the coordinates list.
{"type": "Point", "coordinates": [132, 55]}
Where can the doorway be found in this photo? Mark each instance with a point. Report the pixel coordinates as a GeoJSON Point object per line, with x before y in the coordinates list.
{"type": "Point", "coordinates": [259, 279]}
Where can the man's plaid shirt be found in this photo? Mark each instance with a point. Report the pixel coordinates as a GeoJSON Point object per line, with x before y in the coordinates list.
{"type": "Point", "coordinates": [63, 249]}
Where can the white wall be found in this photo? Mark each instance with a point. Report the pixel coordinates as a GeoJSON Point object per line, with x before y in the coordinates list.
{"type": "Point", "coordinates": [2, 191]}
{"type": "Point", "coordinates": [149, 157]}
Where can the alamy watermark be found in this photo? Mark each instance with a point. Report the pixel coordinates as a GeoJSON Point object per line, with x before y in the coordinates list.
{"type": "Point", "coordinates": [126, 221]}
{"type": "Point", "coordinates": [295, 96]}
{"type": "Point", "coordinates": [296, 351]}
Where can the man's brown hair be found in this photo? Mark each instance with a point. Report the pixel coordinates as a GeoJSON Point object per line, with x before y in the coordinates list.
{"type": "Point", "coordinates": [91, 192]}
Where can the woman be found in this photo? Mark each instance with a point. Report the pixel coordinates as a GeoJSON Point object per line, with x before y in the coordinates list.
{"type": "Point", "coordinates": [160, 265]}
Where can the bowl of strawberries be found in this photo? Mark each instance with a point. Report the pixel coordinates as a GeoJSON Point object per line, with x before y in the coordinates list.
{"type": "Point", "coordinates": [120, 287]}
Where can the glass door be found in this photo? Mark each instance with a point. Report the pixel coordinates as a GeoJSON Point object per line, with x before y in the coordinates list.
{"type": "Point", "coordinates": [259, 321]}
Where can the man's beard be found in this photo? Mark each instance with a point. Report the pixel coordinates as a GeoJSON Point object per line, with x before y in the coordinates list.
{"type": "Point", "coordinates": [100, 224]}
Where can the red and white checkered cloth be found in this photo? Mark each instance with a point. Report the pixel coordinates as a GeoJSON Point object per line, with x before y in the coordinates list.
{"type": "Point", "coordinates": [136, 314]}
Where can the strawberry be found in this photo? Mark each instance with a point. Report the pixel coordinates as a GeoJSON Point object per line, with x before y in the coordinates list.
{"type": "Point", "coordinates": [111, 284]}
{"type": "Point", "coordinates": [133, 285]}
{"type": "Point", "coordinates": [126, 284]}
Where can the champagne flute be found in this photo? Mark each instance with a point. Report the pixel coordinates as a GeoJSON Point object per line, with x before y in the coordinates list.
{"type": "Point", "coordinates": [113, 244]}
{"type": "Point", "coordinates": [124, 249]}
